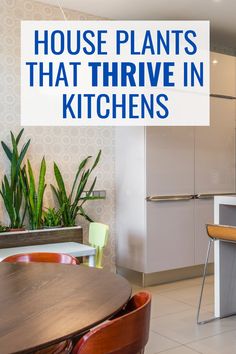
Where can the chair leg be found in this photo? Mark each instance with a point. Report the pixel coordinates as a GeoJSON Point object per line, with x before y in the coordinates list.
{"type": "Point", "coordinates": [202, 288]}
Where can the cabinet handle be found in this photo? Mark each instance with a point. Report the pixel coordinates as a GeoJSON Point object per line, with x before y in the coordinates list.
{"type": "Point", "coordinates": [169, 198]}
{"type": "Point", "coordinates": [212, 195]}
{"type": "Point", "coordinates": [223, 96]}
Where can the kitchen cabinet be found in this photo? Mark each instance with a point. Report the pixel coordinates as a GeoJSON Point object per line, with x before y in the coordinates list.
{"type": "Point", "coordinates": [169, 156]}
{"type": "Point", "coordinates": [222, 74]}
{"type": "Point", "coordinates": [214, 167]}
{"type": "Point", "coordinates": [170, 172]}
{"type": "Point", "coordinates": [130, 198]}
{"type": "Point", "coordinates": [170, 237]}
{"type": "Point", "coordinates": [166, 178]}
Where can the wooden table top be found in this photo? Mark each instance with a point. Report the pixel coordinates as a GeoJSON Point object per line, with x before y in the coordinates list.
{"type": "Point", "coordinates": [44, 303]}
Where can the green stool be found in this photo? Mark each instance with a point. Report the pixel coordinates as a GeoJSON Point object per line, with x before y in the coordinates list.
{"type": "Point", "coordinates": [98, 238]}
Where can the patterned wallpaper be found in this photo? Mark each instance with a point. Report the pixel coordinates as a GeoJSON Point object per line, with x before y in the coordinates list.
{"type": "Point", "coordinates": [65, 145]}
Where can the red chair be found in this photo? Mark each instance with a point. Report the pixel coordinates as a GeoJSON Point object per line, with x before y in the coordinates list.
{"type": "Point", "coordinates": [42, 257]}
{"type": "Point", "coordinates": [127, 333]}
{"type": "Point", "coordinates": [61, 348]}
{"type": "Point", "coordinates": [66, 346]}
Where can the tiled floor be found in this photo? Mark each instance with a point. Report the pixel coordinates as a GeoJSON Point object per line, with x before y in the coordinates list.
{"type": "Point", "coordinates": [173, 321]}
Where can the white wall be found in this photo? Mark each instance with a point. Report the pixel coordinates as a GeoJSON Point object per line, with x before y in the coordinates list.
{"type": "Point", "coordinates": [67, 146]}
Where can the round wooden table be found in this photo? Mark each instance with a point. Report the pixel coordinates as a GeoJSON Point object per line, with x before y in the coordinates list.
{"type": "Point", "coordinates": [45, 303]}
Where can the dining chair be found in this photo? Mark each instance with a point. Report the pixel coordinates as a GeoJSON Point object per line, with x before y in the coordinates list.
{"type": "Point", "coordinates": [215, 232]}
{"type": "Point", "coordinates": [65, 346]}
{"type": "Point", "coordinates": [42, 257]}
{"type": "Point", "coordinates": [98, 238]}
{"type": "Point", "coordinates": [126, 333]}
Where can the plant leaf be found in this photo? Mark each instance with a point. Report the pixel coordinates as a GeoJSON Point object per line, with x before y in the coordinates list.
{"type": "Point", "coordinates": [31, 188]}
{"type": "Point", "coordinates": [19, 136]}
{"type": "Point", "coordinates": [7, 150]}
{"type": "Point", "coordinates": [81, 167]}
{"type": "Point", "coordinates": [60, 182]}
{"type": "Point", "coordinates": [22, 155]}
{"type": "Point", "coordinates": [96, 160]}
{"type": "Point", "coordinates": [82, 213]}
{"type": "Point", "coordinates": [41, 190]}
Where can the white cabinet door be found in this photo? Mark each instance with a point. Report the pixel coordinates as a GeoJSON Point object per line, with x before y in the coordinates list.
{"type": "Point", "coordinates": [130, 198]}
{"type": "Point", "coordinates": [204, 214]}
{"type": "Point", "coordinates": [170, 171]}
{"type": "Point", "coordinates": [215, 150]}
{"type": "Point", "coordinates": [214, 167]}
{"type": "Point", "coordinates": [223, 74]}
{"type": "Point", "coordinates": [170, 160]}
{"type": "Point", "coordinates": [170, 230]}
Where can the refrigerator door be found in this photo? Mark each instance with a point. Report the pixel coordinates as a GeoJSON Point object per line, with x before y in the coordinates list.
{"type": "Point", "coordinates": [170, 229]}
{"type": "Point", "coordinates": [170, 160]}
{"type": "Point", "coordinates": [170, 208]}
{"type": "Point", "coordinates": [214, 167]}
{"type": "Point", "coordinates": [215, 150]}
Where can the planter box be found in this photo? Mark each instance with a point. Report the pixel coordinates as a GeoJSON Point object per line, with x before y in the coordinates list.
{"type": "Point", "coordinates": [39, 237]}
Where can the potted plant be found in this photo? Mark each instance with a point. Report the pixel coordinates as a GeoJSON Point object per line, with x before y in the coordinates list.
{"type": "Point", "coordinates": [11, 188]}
{"type": "Point", "coordinates": [3, 228]}
{"type": "Point", "coordinates": [34, 195]}
{"type": "Point", "coordinates": [22, 194]}
{"type": "Point", "coordinates": [72, 203]}
{"type": "Point", "coordinates": [52, 218]}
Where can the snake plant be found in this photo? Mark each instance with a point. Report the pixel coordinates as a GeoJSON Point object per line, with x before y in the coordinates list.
{"type": "Point", "coordinates": [52, 217]}
{"type": "Point", "coordinates": [34, 195]}
{"type": "Point", "coordinates": [11, 188]}
{"type": "Point", "coordinates": [72, 203]}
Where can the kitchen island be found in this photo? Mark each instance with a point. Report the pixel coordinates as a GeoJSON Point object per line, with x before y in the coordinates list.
{"type": "Point", "coordinates": [225, 259]}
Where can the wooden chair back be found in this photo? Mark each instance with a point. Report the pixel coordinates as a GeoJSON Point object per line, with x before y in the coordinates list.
{"type": "Point", "coordinates": [42, 257]}
{"type": "Point", "coordinates": [126, 334]}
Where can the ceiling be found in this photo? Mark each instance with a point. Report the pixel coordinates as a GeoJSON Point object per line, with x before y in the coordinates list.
{"type": "Point", "coordinates": [221, 13]}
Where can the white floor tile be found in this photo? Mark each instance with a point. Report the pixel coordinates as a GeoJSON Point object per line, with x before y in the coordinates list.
{"type": "Point", "coordinates": [191, 295]}
{"type": "Point", "coordinates": [158, 344]}
{"type": "Point", "coordinates": [180, 350]}
{"type": "Point", "coordinates": [182, 326]}
{"type": "Point", "coordinates": [224, 343]}
{"type": "Point", "coordinates": [162, 306]}
{"type": "Point", "coordinates": [180, 284]}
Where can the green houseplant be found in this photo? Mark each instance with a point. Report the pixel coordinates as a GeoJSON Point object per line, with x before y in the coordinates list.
{"type": "Point", "coordinates": [52, 217]}
{"type": "Point", "coordinates": [3, 228]}
{"type": "Point", "coordinates": [72, 203]}
{"type": "Point", "coordinates": [11, 188]}
{"type": "Point", "coordinates": [34, 195]}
